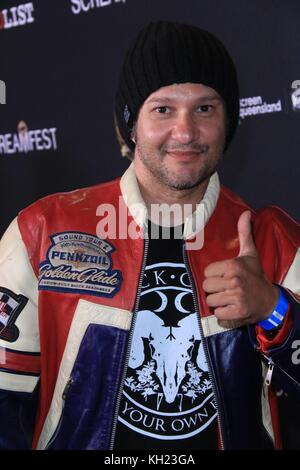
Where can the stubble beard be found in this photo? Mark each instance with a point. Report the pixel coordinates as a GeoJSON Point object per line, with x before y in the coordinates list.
{"type": "Point", "coordinates": [155, 164]}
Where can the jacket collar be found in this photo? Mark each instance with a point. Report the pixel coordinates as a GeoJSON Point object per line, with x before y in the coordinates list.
{"type": "Point", "coordinates": [193, 223]}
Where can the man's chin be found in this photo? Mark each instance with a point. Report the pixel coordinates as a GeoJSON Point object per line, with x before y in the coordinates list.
{"type": "Point", "coordinates": [182, 184]}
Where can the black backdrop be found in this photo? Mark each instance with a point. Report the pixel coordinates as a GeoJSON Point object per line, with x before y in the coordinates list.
{"type": "Point", "coordinates": [60, 61]}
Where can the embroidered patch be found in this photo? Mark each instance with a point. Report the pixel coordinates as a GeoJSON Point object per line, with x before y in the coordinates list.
{"type": "Point", "coordinates": [79, 262]}
{"type": "Point", "coordinates": [11, 305]}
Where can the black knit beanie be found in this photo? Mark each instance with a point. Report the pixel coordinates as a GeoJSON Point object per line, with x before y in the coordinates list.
{"type": "Point", "coordinates": [164, 53]}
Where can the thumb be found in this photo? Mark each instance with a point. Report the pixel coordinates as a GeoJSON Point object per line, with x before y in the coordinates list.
{"type": "Point", "coordinates": [247, 245]}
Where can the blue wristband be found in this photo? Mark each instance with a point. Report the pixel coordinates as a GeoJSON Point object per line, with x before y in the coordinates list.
{"type": "Point", "coordinates": [277, 316]}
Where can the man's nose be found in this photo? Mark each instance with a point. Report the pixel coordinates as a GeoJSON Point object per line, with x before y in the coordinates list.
{"type": "Point", "coordinates": [185, 129]}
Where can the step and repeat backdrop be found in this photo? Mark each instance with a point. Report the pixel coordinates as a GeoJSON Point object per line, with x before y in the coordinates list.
{"type": "Point", "coordinates": [59, 63]}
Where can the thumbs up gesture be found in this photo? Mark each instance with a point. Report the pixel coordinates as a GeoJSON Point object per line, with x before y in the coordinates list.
{"type": "Point", "coordinates": [238, 290]}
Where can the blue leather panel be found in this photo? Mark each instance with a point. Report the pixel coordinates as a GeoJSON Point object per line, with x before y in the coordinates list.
{"type": "Point", "coordinates": [238, 374]}
{"type": "Point", "coordinates": [90, 403]}
{"type": "Point", "coordinates": [17, 417]}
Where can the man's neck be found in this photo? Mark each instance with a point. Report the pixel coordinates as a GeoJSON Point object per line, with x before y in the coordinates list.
{"type": "Point", "coordinates": [156, 193]}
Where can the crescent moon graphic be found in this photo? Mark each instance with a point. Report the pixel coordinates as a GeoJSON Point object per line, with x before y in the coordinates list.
{"type": "Point", "coordinates": [178, 304]}
{"type": "Point", "coordinates": [164, 301]}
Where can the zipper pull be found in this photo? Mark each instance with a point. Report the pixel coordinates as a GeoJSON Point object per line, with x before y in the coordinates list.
{"type": "Point", "coordinates": [269, 373]}
{"type": "Point", "coordinates": [67, 387]}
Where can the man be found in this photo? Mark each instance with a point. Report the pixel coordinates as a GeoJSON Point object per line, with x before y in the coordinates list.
{"type": "Point", "coordinates": [119, 339]}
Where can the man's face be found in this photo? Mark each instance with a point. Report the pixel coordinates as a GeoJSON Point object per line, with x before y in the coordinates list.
{"type": "Point", "coordinates": [180, 134]}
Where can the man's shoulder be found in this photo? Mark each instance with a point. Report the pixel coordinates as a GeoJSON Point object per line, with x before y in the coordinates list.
{"type": "Point", "coordinates": [76, 198]}
{"type": "Point", "coordinates": [268, 218]}
{"type": "Point", "coordinates": [267, 214]}
{"type": "Point", "coordinates": [273, 218]}
{"type": "Point", "coordinates": [276, 213]}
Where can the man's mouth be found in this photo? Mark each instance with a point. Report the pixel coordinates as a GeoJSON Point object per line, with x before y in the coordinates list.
{"type": "Point", "coordinates": [184, 154]}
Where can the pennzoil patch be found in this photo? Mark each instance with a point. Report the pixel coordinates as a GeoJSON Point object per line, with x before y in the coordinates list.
{"type": "Point", "coordinates": [79, 262]}
{"type": "Point", "coordinates": [11, 305]}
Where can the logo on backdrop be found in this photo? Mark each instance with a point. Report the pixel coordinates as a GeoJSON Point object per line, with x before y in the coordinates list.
{"type": "Point", "coordinates": [295, 95]}
{"type": "Point", "coordinates": [254, 105]}
{"type": "Point", "coordinates": [25, 140]}
{"type": "Point", "coordinates": [83, 6]}
{"type": "Point", "coordinates": [17, 16]}
{"type": "Point", "coordinates": [167, 392]}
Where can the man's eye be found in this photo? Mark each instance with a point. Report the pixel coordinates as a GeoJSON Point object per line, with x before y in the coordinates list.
{"type": "Point", "coordinates": [205, 108]}
{"type": "Point", "coordinates": [162, 109]}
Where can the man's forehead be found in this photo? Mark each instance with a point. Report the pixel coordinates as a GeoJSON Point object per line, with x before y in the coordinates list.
{"type": "Point", "coordinates": [183, 90]}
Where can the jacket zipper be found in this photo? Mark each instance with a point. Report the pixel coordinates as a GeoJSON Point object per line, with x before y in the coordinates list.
{"type": "Point", "coordinates": [137, 301]}
{"type": "Point", "coordinates": [64, 396]}
{"type": "Point", "coordinates": [203, 339]}
{"type": "Point", "coordinates": [271, 366]}
{"type": "Point", "coordinates": [269, 373]}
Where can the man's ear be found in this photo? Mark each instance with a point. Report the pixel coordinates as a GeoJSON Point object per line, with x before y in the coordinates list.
{"type": "Point", "coordinates": [133, 133]}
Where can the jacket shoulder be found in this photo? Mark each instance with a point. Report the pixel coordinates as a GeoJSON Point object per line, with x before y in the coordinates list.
{"type": "Point", "coordinates": [59, 212]}
{"type": "Point", "coordinates": [272, 217]}
{"type": "Point", "coordinates": [275, 219]}
{"type": "Point", "coordinates": [77, 197]}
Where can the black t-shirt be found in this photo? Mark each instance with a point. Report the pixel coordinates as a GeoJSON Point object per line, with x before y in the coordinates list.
{"type": "Point", "coordinates": [167, 400]}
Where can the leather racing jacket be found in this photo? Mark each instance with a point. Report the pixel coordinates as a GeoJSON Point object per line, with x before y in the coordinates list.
{"type": "Point", "coordinates": [68, 303]}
